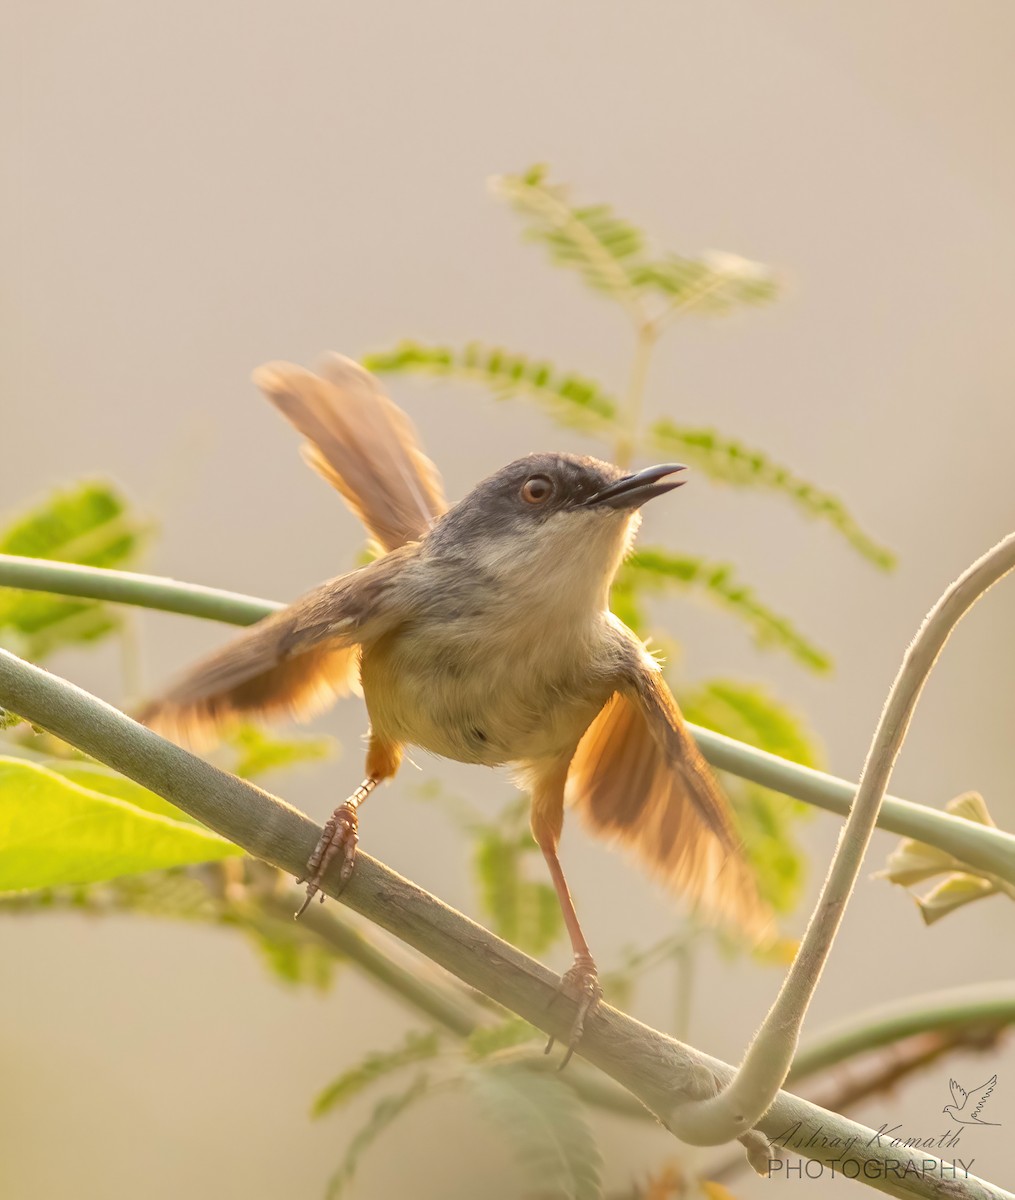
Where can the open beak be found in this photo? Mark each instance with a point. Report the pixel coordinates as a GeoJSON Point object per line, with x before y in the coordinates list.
{"type": "Point", "coordinates": [633, 490]}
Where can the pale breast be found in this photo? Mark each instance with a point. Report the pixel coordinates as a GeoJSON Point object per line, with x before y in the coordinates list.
{"type": "Point", "coordinates": [482, 690]}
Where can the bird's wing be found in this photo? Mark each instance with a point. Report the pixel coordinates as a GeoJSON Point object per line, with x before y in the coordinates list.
{"type": "Point", "coordinates": [958, 1094]}
{"type": "Point", "coordinates": [980, 1094]}
{"type": "Point", "coordinates": [637, 777]}
{"type": "Point", "coordinates": [361, 443]}
{"type": "Point", "coordinates": [294, 663]}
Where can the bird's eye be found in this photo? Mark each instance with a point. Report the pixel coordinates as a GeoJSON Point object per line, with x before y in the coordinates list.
{"type": "Point", "coordinates": [537, 489]}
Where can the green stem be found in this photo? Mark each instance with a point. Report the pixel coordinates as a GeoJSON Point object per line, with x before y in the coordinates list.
{"type": "Point", "coordinates": [984, 1004]}
{"type": "Point", "coordinates": [436, 1000]}
{"type": "Point", "coordinates": [635, 397]}
{"type": "Point", "coordinates": [736, 1107]}
{"type": "Point", "coordinates": [655, 1068]}
{"type": "Point", "coordinates": [991, 850]}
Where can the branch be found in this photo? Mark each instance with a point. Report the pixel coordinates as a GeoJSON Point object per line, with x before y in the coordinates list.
{"type": "Point", "coordinates": [737, 1107]}
{"type": "Point", "coordinates": [992, 850]}
{"type": "Point", "coordinates": [661, 1072]}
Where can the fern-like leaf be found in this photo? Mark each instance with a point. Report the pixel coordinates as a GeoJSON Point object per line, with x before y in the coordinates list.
{"type": "Point", "coordinates": [605, 249]}
{"type": "Point", "coordinates": [384, 1115]}
{"type": "Point", "coordinates": [651, 569]}
{"type": "Point", "coordinates": [571, 399]}
{"type": "Point", "coordinates": [728, 461]}
{"type": "Point", "coordinates": [713, 283]}
{"type": "Point", "coordinates": [544, 1120]}
{"type": "Point", "coordinates": [417, 1047]}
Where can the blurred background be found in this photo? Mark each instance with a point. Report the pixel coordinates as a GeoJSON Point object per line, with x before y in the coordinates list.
{"type": "Point", "coordinates": [193, 190]}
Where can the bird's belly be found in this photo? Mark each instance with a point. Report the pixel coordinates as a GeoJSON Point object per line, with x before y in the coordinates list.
{"type": "Point", "coordinates": [488, 704]}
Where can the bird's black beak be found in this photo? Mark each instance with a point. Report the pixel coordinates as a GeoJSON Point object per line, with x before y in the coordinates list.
{"type": "Point", "coordinates": [633, 490]}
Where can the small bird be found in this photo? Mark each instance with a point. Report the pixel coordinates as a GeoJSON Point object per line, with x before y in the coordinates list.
{"type": "Point", "coordinates": [482, 634]}
{"type": "Point", "coordinates": [965, 1107]}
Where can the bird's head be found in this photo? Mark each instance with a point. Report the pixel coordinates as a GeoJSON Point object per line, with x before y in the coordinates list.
{"type": "Point", "coordinates": [553, 520]}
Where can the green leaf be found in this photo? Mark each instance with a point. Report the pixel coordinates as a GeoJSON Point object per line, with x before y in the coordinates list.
{"type": "Point", "coordinates": [54, 831]}
{"type": "Point", "coordinates": [712, 283]}
{"type": "Point", "coordinates": [381, 1119]}
{"type": "Point", "coordinates": [611, 254]}
{"type": "Point", "coordinates": [97, 778]}
{"type": "Point", "coordinates": [954, 892]}
{"type": "Point", "coordinates": [767, 819]}
{"type": "Point", "coordinates": [728, 461]}
{"type": "Point", "coordinates": [417, 1047]}
{"type": "Point", "coordinates": [605, 249]}
{"type": "Point", "coordinates": [259, 751]}
{"type": "Point", "coordinates": [571, 399]}
{"type": "Point", "coordinates": [544, 1120]}
{"type": "Point", "coordinates": [652, 569]}
{"type": "Point", "coordinates": [89, 524]}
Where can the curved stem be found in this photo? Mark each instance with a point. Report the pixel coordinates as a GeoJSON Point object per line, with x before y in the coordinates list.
{"type": "Point", "coordinates": [992, 850]}
{"type": "Point", "coordinates": [655, 1068]}
{"type": "Point", "coordinates": [738, 1106]}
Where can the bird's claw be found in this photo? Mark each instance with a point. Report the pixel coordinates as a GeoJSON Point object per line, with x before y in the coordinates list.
{"type": "Point", "coordinates": [581, 983]}
{"type": "Point", "coordinates": [339, 837]}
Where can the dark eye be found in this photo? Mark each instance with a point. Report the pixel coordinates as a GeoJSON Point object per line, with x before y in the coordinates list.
{"type": "Point", "coordinates": [537, 489]}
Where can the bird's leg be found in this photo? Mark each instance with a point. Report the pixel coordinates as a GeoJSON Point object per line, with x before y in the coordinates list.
{"type": "Point", "coordinates": [340, 833]}
{"type": "Point", "coordinates": [581, 981]}
{"type": "Point", "coordinates": [339, 837]}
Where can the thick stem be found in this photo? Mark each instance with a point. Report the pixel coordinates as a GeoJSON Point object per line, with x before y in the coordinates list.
{"type": "Point", "coordinates": [662, 1073]}
{"type": "Point", "coordinates": [739, 1105]}
{"type": "Point", "coordinates": [992, 850]}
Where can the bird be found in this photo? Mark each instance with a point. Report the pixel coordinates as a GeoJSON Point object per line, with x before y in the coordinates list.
{"type": "Point", "coordinates": [959, 1109]}
{"type": "Point", "coordinates": [482, 633]}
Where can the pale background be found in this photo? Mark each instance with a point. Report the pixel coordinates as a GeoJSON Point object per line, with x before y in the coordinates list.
{"type": "Point", "coordinates": [193, 189]}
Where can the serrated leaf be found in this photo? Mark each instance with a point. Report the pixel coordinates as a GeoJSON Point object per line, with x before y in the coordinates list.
{"type": "Point", "coordinates": [650, 569]}
{"type": "Point", "coordinates": [417, 1047]}
{"type": "Point", "coordinates": [572, 399]}
{"type": "Point", "coordinates": [259, 751]}
{"type": "Point", "coordinates": [544, 1120]}
{"type": "Point", "coordinates": [726, 460]}
{"type": "Point", "coordinates": [384, 1115]}
{"type": "Point", "coordinates": [591, 239]}
{"type": "Point", "coordinates": [88, 524]}
{"type": "Point", "coordinates": [54, 831]}
{"type": "Point", "coordinates": [766, 818]}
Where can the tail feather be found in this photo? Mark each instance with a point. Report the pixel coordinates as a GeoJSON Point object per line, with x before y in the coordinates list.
{"type": "Point", "coordinates": [361, 443]}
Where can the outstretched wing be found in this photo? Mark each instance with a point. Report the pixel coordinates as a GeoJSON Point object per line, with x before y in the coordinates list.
{"type": "Point", "coordinates": [958, 1094]}
{"type": "Point", "coordinates": [294, 663]}
{"type": "Point", "coordinates": [638, 778]}
{"type": "Point", "coordinates": [980, 1094]}
{"type": "Point", "coordinates": [361, 443]}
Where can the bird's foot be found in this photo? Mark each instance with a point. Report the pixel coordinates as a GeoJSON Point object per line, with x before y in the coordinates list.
{"type": "Point", "coordinates": [339, 838]}
{"type": "Point", "coordinates": [581, 984]}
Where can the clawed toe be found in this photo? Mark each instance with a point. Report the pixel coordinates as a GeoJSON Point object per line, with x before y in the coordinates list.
{"type": "Point", "coordinates": [580, 983]}
{"type": "Point", "coordinates": [339, 838]}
